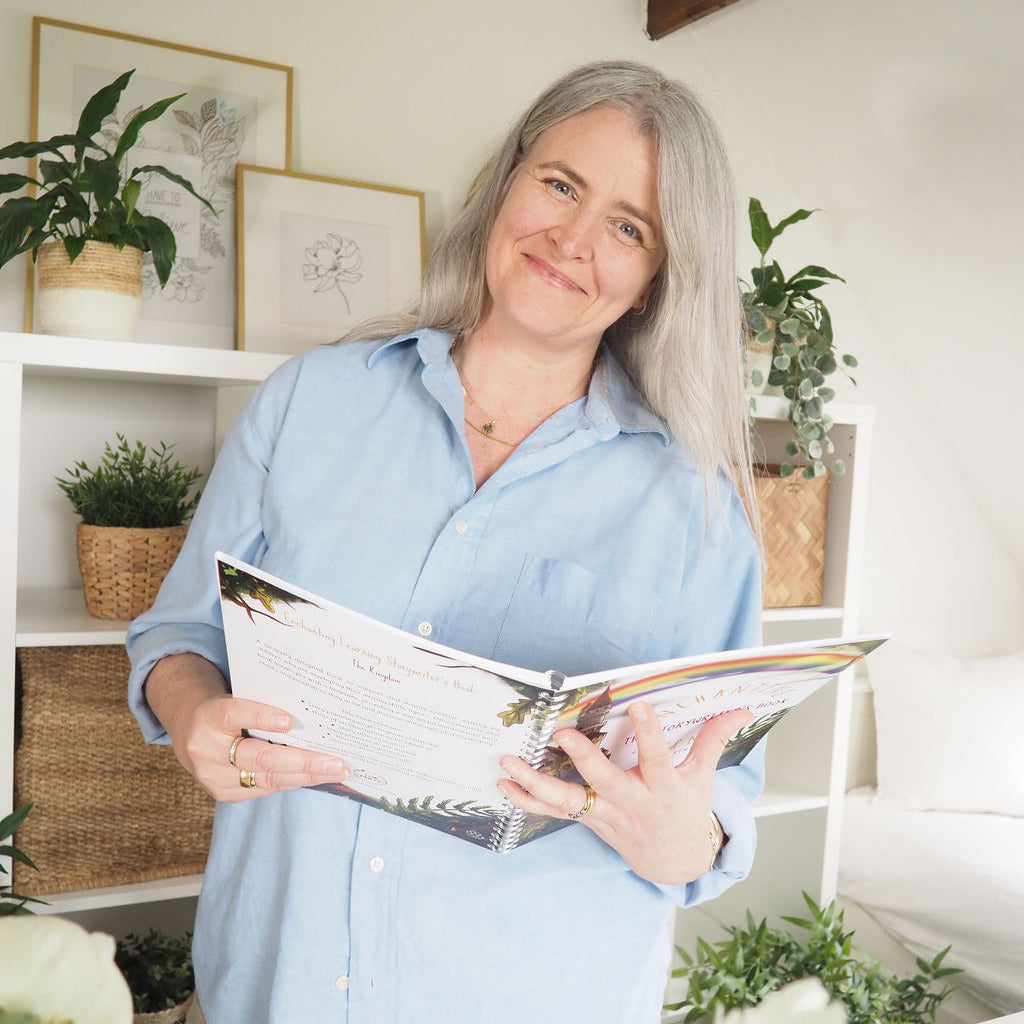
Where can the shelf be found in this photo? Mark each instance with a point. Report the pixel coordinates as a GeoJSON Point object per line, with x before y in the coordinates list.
{"type": "Point", "coordinates": [806, 613]}
{"type": "Point", "coordinates": [775, 801]}
{"type": "Point", "coordinates": [42, 354]}
{"type": "Point", "coordinates": [58, 618]}
{"type": "Point", "coordinates": [120, 895]}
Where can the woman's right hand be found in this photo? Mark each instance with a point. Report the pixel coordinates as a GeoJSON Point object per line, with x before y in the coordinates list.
{"type": "Point", "coordinates": [190, 697]}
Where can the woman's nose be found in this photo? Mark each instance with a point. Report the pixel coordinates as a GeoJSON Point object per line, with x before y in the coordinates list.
{"type": "Point", "coordinates": [575, 235]}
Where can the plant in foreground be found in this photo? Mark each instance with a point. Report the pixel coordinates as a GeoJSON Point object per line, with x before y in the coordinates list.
{"type": "Point", "coordinates": [755, 960]}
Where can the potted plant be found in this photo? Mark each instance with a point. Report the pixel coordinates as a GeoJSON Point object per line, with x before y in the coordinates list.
{"type": "Point", "coordinates": [84, 215]}
{"type": "Point", "coordinates": [756, 961]}
{"type": "Point", "coordinates": [790, 329]}
{"type": "Point", "coordinates": [158, 969]}
{"type": "Point", "coordinates": [134, 507]}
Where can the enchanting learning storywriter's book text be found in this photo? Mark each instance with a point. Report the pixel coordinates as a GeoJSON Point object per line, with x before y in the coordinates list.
{"type": "Point", "coordinates": [422, 726]}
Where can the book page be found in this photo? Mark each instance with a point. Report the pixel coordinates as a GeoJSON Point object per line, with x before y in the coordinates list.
{"type": "Point", "coordinates": [422, 731]}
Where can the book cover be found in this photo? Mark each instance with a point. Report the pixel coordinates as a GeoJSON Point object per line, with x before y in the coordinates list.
{"type": "Point", "coordinates": [422, 726]}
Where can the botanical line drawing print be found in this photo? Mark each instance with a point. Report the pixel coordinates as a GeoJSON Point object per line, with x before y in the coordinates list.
{"type": "Point", "coordinates": [213, 135]}
{"type": "Point", "coordinates": [332, 262]}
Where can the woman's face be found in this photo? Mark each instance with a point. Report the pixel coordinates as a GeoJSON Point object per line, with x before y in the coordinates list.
{"type": "Point", "coordinates": [578, 238]}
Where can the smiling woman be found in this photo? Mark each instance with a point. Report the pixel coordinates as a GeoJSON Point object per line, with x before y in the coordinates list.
{"type": "Point", "coordinates": [544, 461]}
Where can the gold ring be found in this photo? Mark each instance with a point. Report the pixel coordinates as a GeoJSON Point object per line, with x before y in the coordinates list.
{"type": "Point", "coordinates": [234, 746]}
{"type": "Point", "coordinates": [588, 804]}
{"type": "Point", "coordinates": [247, 779]}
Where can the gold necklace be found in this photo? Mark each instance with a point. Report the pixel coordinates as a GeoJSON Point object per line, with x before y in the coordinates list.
{"type": "Point", "coordinates": [486, 429]}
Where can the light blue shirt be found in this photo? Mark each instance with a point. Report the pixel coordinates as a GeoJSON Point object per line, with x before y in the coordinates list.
{"type": "Point", "coordinates": [349, 475]}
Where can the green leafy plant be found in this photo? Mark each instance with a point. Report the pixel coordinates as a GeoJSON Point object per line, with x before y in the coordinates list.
{"type": "Point", "coordinates": [134, 486]}
{"type": "Point", "coordinates": [81, 190]}
{"type": "Point", "coordinates": [756, 960]}
{"type": "Point", "coordinates": [10, 901]}
{"type": "Point", "coordinates": [788, 314]}
{"type": "Point", "coordinates": [158, 969]}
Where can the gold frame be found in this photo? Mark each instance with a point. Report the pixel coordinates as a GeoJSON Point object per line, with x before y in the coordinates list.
{"type": "Point", "coordinates": [272, 88]}
{"type": "Point", "coordinates": [362, 205]}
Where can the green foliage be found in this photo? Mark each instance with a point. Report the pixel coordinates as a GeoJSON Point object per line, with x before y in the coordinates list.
{"type": "Point", "coordinates": [158, 969]}
{"type": "Point", "coordinates": [26, 1017]}
{"type": "Point", "coordinates": [10, 901]}
{"type": "Point", "coordinates": [132, 486]}
{"type": "Point", "coordinates": [755, 960]}
{"type": "Point", "coordinates": [787, 313]}
{"type": "Point", "coordinates": [81, 190]}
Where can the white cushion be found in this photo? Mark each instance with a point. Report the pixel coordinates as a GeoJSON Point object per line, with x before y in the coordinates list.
{"type": "Point", "coordinates": [950, 731]}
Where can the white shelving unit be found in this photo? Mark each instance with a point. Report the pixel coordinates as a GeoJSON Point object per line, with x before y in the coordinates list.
{"type": "Point", "coordinates": [800, 813]}
{"type": "Point", "coordinates": [61, 398]}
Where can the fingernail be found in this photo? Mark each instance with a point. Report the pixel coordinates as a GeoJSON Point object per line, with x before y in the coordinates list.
{"type": "Point", "coordinates": [640, 712]}
{"type": "Point", "coordinates": [280, 723]}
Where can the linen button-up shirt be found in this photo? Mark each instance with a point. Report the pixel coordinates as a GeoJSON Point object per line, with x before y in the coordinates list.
{"type": "Point", "coordinates": [590, 548]}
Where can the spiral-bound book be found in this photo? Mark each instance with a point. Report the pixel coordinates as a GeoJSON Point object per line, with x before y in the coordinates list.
{"type": "Point", "coordinates": [422, 726]}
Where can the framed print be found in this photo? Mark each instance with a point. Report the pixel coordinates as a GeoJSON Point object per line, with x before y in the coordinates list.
{"type": "Point", "coordinates": [234, 110]}
{"type": "Point", "coordinates": [317, 255]}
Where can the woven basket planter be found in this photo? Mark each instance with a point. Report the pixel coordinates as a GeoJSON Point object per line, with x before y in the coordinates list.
{"type": "Point", "coordinates": [97, 296]}
{"type": "Point", "coordinates": [122, 568]}
{"type": "Point", "coordinates": [108, 808]}
{"type": "Point", "coordinates": [175, 1015]}
{"type": "Point", "coordinates": [794, 514]}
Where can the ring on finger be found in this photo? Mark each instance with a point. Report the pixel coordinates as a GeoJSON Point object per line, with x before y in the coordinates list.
{"type": "Point", "coordinates": [234, 747]}
{"type": "Point", "coordinates": [247, 779]}
{"type": "Point", "coordinates": [588, 804]}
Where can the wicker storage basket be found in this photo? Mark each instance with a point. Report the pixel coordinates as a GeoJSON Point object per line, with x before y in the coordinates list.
{"type": "Point", "coordinates": [122, 568]}
{"type": "Point", "coordinates": [108, 808]}
{"type": "Point", "coordinates": [793, 521]}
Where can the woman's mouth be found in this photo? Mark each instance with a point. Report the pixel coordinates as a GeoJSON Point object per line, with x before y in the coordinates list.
{"type": "Point", "coordinates": [546, 272]}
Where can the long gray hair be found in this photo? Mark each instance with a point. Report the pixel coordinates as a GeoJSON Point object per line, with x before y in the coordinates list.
{"type": "Point", "coordinates": [684, 350]}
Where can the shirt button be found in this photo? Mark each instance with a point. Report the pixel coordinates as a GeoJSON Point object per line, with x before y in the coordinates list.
{"type": "Point", "coordinates": [377, 864]}
{"type": "Point", "coordinates": [461, 526]}
{"type": "Point", "coordinates": [342, 982]}
{"type": "Point", "coordinates": [425, 629]}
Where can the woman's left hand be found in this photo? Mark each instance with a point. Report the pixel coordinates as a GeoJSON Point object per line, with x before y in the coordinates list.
{"type": "Point", "coordinates": [656, 815]}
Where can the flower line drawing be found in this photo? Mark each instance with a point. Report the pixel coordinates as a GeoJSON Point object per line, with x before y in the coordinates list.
{"type": "Point", "coordinates": [331, 262]}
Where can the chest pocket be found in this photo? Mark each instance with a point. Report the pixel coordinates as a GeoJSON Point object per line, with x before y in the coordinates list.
{"type": "Point", "coordinates": [564, 616]}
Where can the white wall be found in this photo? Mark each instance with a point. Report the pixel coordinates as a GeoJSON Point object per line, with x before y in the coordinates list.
{"type": "Point", "coordinates": [901, 119]}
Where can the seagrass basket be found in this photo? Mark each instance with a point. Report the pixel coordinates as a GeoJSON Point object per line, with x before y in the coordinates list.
{"type": "Point", "coordinates": [794, 514]}
{"type": "Point", "coordinates": [122, 568]}
{"type": "Point", "coordinates": [108, 809]}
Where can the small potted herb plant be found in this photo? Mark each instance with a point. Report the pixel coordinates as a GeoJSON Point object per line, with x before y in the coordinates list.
{"type": "Point", "coordinates": [158, 969]}
{"type": "Point", "coordinates": [134, 507]}
{"type": "Point", "coordinates": [83, 224]}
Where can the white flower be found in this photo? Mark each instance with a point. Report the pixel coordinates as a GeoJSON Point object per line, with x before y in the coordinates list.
{"type": "Point", "coordinates": [57, 970]}
{"type": "Point", "coordinates": [799, 1002]}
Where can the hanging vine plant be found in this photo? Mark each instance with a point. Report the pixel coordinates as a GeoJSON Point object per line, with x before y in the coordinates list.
{"type": "Point", "coordinates": [787, 314]}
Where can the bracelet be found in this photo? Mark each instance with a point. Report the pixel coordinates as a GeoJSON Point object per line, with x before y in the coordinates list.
{"type": "Point", "coordinates": [716, 836]}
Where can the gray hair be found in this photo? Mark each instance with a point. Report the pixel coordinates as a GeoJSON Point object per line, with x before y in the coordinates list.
{"type": "Point", "coordinates": [684, 349]}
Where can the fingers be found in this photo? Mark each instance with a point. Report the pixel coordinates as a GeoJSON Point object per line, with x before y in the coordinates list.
{"type": "Point", "coordinates": [712, 739]}
{"type": "Point", "coordinates": [258, 767]}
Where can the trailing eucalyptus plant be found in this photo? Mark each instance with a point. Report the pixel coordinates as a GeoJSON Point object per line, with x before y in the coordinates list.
{"type": "Point", "coordinates": [787, 313]}
{"type": "Point", "coordinates": [81, 190]}
{"type": "Point", "coordinates": [756, 960]}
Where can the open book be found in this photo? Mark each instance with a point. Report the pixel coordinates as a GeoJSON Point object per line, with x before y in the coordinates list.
{"type": "Point", "coordinates": [422, 726]}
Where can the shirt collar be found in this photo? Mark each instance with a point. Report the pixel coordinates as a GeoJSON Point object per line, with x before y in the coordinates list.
{"type": "Point", "coordinates": [613, 403]}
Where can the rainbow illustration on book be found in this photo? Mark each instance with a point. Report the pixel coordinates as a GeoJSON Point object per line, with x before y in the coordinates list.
{"type": "Point", "coordinates": [813, 662]}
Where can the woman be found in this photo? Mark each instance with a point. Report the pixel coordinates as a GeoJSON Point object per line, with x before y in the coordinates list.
{"type": "Point", "coordinates": [544, 463]}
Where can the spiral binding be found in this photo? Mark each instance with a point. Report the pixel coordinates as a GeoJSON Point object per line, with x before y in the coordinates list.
{"type": "Point", "coordinates": [543, 720]}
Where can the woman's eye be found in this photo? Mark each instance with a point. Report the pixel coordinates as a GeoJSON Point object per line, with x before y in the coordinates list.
{"type": "Point", "coordinates": [629, 231]}
{"type": "Point", "coordinates": [561, 187]}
